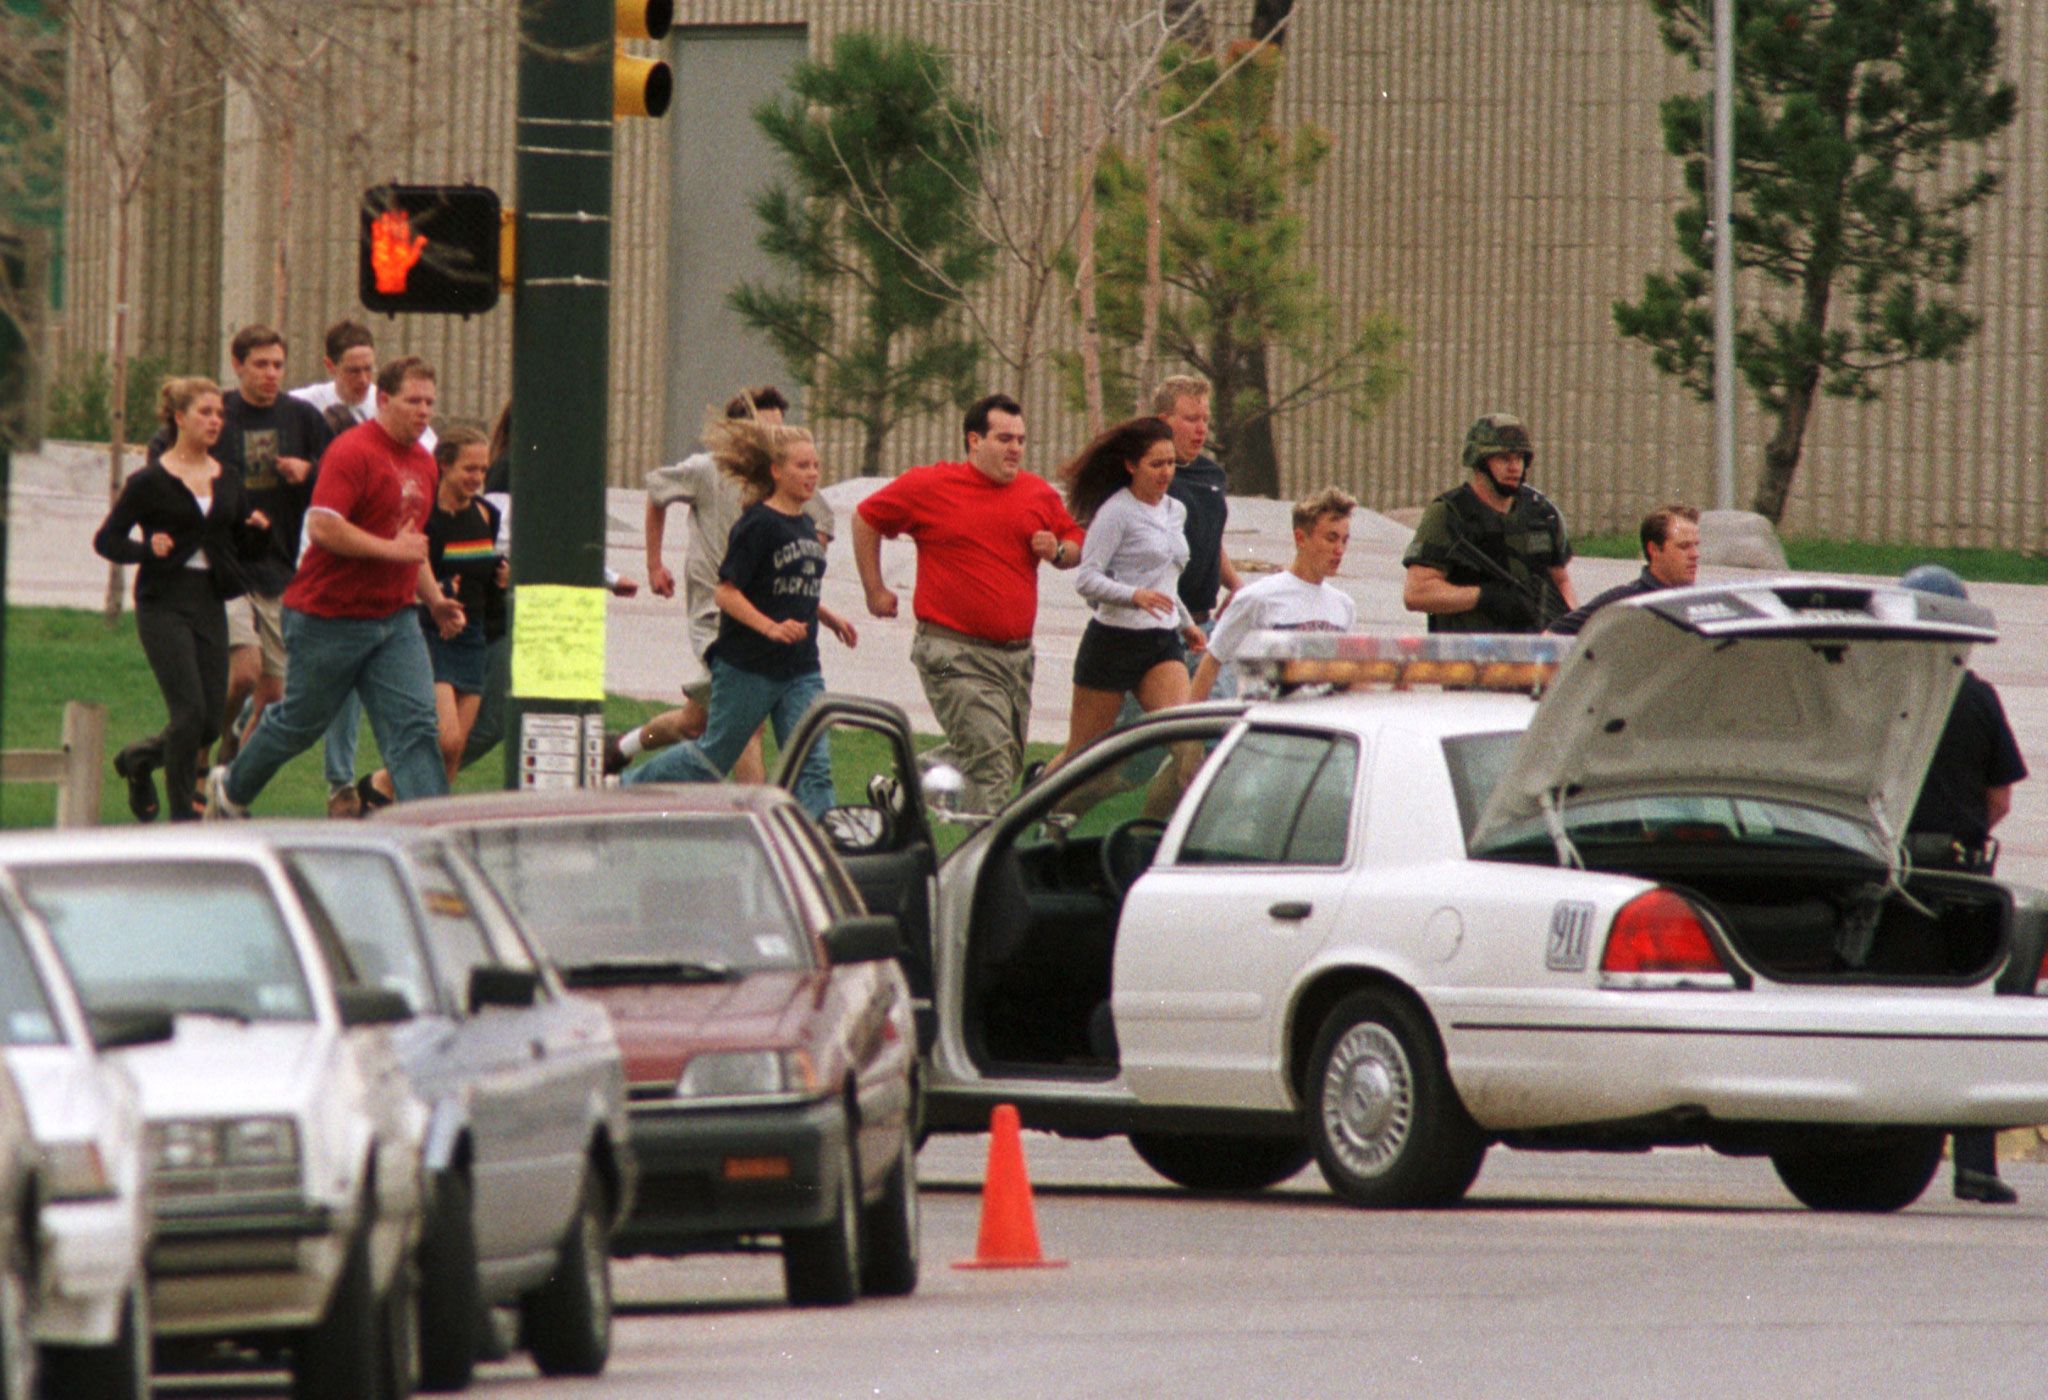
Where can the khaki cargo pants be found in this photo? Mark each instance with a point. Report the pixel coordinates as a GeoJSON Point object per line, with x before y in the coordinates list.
{"type": "Point", "coordinates": [981, 693]}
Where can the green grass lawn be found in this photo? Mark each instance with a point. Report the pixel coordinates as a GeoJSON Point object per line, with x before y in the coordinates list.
{"type": "Point", "coordinates": [58, 654]}
{"type": "Point", "coordinates": [1856, 557]}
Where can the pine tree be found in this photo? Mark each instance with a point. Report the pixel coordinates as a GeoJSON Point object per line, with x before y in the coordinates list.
{"type": "Point", "coordinates": [1238, 280]}
{"type": "Point", "coordinates": [881, 157]}
{"type": "Point", "coordinates": [1844, 115]}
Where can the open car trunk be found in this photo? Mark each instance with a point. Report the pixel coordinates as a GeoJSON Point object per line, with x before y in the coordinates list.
{"type": "Point", "coordinates": [1760, 746]}
{"type": "Point", "coordinates": [1822, 921]}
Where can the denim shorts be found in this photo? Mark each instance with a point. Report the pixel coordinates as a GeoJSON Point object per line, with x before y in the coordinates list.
{"type": "Point", "coordinates": [458, 660]}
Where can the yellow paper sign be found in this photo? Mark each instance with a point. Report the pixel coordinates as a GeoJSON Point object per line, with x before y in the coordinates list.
{"type": "Point", "coordinates": [558, 642]}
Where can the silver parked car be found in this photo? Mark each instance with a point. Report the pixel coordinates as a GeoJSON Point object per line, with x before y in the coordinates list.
{"type": "Point", "coordinates": [284, 1139]}
{"type": "Point", "coordinates": [527, 1154]}
{"type": "Point", "coordinates": [91, 1312]}
{"type": "Point", "coordinates": [20, 1225]}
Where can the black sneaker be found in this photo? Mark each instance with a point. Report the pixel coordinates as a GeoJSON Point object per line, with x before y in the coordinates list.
{"type": "Point", "coordinates": [1983, 1187]}
{"type": "Point", "coordinates": [142, 799]}
{"type": "Point", "coordinates": [370, 795]}
{"type": "Point", "coordinates": [615, 759]}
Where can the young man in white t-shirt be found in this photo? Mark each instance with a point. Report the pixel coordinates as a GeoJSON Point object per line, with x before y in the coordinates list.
{"type": "Point", "coordinates": [1300, 600]}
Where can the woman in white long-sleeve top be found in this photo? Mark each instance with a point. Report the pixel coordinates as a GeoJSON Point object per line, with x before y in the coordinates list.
{"type": "Point", "coordinates": [1138, 640]}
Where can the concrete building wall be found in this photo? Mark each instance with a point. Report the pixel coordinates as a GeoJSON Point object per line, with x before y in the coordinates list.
{"type": "Point", "coordinates": [1496, 181]}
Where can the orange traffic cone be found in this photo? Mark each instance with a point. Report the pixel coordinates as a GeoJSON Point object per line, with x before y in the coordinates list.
{"type": "Point", "coordinates": [1009, 1223]}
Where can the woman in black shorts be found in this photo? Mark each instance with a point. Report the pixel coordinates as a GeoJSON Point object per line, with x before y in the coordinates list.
{"type": "Point", "coordinates": [196, 529]}
{"type": "Point", "coordinates": [1138, 640]}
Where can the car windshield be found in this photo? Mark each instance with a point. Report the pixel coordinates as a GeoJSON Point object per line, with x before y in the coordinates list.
{"type": "Point", "coordinates": [677, 897]}
{"type": "Point", "coordinates": [25, 1015]}
{"type": "Point", "coordinates": [187, 937]}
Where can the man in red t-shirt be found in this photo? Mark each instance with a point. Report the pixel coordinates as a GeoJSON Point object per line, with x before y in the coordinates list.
{"type": "Point", "coordinates": [982, 527]}
{"type": "Point", "coordinates": [348, 618]}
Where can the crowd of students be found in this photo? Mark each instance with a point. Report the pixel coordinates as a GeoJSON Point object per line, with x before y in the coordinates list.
{"type": "Point", "coordinates": [1141, 524]}
{"type": "Point", "coordinates": [305, 558]}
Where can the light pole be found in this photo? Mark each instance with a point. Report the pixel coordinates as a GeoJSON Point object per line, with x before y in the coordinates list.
{"type": "Point", "coordinates": [1724, 254]}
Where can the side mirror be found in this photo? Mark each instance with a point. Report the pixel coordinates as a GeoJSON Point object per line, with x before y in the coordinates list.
{"type": "Point", "coordinates": [943, 789]}
{"type": "Point", "coordinates": [857, 830]}
{"type": "Point", "coordinates": [373, 1006]}
{"type": "Point", "coordinates": [119, 1030]}
{"type": "Point", "coordinates": [515, 987]}
{"type": "Point", "coordinates": [865, 938]}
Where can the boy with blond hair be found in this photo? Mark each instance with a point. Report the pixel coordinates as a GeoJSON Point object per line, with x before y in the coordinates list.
{"type": "Point", "coordinates": [1302, 599]}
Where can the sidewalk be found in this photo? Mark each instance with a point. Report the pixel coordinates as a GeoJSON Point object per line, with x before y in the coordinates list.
{"type": "Point", "coordinates": [58, 500]}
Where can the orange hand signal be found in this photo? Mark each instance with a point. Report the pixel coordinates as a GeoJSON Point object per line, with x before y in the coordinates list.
{"type": "Point", "coordinates": [393, 249]}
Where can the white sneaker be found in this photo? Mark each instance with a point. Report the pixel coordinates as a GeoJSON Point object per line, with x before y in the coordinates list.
{"type": "Point", "coordinates": [219, 807]}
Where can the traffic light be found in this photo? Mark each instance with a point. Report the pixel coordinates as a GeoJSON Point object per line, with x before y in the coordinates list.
{"type": "Point", "coordinates": [429, 248]}
{"type": "Point", "coordinates": [641, 87]}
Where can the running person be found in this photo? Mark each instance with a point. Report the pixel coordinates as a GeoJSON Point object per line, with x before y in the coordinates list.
{"type": "Point", "coordinates": [1299, 599]}
{"type": "Point", "coordinates": [463, 555]}
{"type": "Point", "coordinates": [764, 665]}
{"type": "Point", "coordinates": [715, 503]}
{"type": "Point", "coordinates": [197, 529]}
{"type": "Point", "coordinates": [1131, 558]}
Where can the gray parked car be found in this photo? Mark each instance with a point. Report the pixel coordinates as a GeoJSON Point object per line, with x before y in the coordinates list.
{"type": "Point", "coordinates": [20, 1194]}
{"type": "Point", "coordinates": [284, 1140]}
{"type": "Point", "coordinates": [526, 1151]}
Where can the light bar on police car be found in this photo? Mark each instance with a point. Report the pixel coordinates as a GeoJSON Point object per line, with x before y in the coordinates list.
{"type": "Point", "coordinates": [1355, 660]}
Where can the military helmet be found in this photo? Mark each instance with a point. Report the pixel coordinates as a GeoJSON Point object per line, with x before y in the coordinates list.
{"type": "Point", "coordinates": [1495, 433]}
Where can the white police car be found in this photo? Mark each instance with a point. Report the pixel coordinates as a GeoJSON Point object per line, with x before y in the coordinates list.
{"type": "Point", "coordinates": [1667, 903]}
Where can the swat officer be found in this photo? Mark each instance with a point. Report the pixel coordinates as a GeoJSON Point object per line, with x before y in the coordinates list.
{"type": "Point", "coordinates": [1968, 791]}
{"type": "Point", "coordinates": [1491, 555]}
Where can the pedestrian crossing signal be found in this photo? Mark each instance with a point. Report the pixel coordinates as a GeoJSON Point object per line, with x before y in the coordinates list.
{"type": "Point", "coordinates": [431, 248]}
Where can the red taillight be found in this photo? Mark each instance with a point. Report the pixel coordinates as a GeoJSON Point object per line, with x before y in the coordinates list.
{"type": "Point", "coordinates": [2041, 975]}
{"type": "Point", "coordinates": [1659, 932]}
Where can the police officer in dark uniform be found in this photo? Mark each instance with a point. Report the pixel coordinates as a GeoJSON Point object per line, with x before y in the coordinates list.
{"type": "Point", "coordinates": [1967, 792]}
{"type": "Point", "coordinates": [1491, 555]}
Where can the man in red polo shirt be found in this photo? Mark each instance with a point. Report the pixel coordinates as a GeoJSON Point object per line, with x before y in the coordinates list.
{"type": "Point", "coordinates": [349, 623]}
{"type": "Point", "coordinates": [982, 527]}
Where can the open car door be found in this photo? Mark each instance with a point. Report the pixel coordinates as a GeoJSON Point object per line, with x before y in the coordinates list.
{"type": "Point", "coordinates": [879, 828]}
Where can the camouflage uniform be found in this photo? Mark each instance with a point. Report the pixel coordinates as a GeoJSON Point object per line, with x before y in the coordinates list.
{"type": "Point", "coordinates": [1510, 556]}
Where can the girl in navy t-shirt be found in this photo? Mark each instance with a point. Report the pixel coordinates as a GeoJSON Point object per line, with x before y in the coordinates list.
{"type": "Point", "coordinates": [764, 664]}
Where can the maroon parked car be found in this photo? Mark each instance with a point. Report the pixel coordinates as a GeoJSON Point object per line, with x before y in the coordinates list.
{"type": "Point", "coordinates": [770, 1049]}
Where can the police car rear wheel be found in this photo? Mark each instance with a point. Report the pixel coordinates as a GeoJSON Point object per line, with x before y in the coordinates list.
{"type": "Point", "coordinates": [1871, 1173]}
{"type": "Point", "coordinates": [1387, 1125]}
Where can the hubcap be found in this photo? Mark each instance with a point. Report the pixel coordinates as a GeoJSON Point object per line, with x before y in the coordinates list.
{"type": "Point", "coordinates": [1368, 1100]}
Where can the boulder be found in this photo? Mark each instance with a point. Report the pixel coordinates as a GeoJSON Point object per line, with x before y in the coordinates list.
{"type": "Point", "coordinates": [1740, 539]}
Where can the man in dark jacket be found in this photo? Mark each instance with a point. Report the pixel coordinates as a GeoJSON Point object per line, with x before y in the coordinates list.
{"type": "Point", "coordinates": [1671, 559]}
{"type": "Point", "coordinates": [1968, 792]}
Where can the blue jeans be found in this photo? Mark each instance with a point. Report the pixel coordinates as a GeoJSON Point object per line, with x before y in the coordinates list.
{"type": "Point", "coordinates": [338, 754]}
{"type": "Point", "coordinates": [383, 661]}
{"type": "Point", "coordinates": [740, 700]}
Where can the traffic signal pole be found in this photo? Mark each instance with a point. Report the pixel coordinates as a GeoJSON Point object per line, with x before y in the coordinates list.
{"type": "Point", "coordinates": [561, 361]}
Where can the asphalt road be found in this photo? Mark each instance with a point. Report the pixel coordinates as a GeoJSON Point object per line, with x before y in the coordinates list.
{"type": "Point", "coordinates": [1677, 1273]}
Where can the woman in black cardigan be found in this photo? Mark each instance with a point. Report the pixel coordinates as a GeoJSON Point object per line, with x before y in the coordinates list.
{"type": "Point", "coordinates": [196, 529]}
